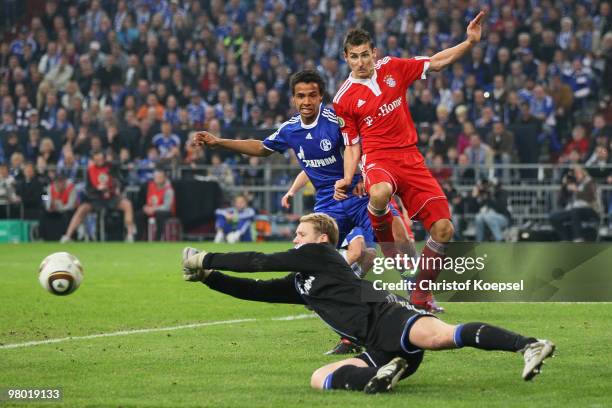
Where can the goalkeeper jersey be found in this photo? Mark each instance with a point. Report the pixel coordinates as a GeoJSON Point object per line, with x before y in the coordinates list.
{"type": "Point", "coordinates": [323, 280]}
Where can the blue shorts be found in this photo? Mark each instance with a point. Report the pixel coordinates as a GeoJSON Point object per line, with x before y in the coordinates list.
{"type": "Point", "coordinates": [349, 214]}
{"type": "Point", "coordinates": [355, 233]}
{"type": "Point", "coordinates": [352, 217]}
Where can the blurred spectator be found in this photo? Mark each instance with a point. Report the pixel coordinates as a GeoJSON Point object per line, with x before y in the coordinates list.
{"type": "Point", "coordinates": [67, 165]}
{"type": "Point", "coordinates": [151, 103]}
{"type": "Point", "coordinates": [424, 111]}
{"type": "Point", "coordinates": [479, 154]}
{"type": "Point", "coordinates": [502, 144]}
{"type": "Point", "coordinates": [102, 192]}
{"type": "Point", "coordinates": [7, 125]}
{"type": "Point", "coordinates": [440, 170]}
{"type": "Point", "coordinates": [490, 203]}
{"type": "Point", "coordinates": [253, 175]}
{"type": "Point", "coordinates": [160, 205]}
{"type": "Point", "coordinates": [16, 166]}
{"type": "Point", "coordinates": [8, 195]}
{"type": "Point", "coordinates": [11, 146]}
{"type": "Point", "coordinates": [578, 143]}
{"type": "Point", "coordinates": [235, 223]}
{"type": "Point", "coordinates": [599, 164]}
{"type": "Point", "coordinates": [601, 128]}
{"type": "Point", "coordinates": [580, 79]}
{"type": "Point", "coordinates": [541, 106]}
{"type": "Point", "coordinates": [221, 171]}
{"type": "Point", "coordinates": [60, 202]}
{"type": "Point", "coordinates": [579, 199]}
{"type": "Point", "coordinates": [563, 100]}
{"type": "Point", "coordinates": [47, 150]}
{"type": "Point", "coordinates": [59, 76]}
{"type": "Point", "coordinates": [30, 190]}
{"type": "Point", "coordinates": [464, 173]}
{"type": "Point", "coordinates": [167, 143]}
{"type": "Point", "coordinates": [146, 166]}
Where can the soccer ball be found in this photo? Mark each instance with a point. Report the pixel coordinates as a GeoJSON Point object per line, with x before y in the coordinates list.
{"type": "Point", "coordinates": [60, 273]}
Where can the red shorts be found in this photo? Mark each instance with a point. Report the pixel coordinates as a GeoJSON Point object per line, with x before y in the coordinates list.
{"type": "Point", "coordinates": [405, 170]}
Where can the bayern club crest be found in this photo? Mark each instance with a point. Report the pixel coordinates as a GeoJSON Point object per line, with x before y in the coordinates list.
{"type": "Point", "coordinates": [103, 178]}
{"type": "Point", "coordinates": [326, 145]}
{"type": "Point", "coordinates": [390, 81]}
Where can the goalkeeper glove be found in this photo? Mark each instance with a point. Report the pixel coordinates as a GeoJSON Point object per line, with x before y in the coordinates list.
{"type": "Point", "coordinates": [192, 265]}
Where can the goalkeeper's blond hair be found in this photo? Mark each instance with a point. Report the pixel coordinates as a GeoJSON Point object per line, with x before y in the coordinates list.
{"type": "Point", "coordinates": [323, 224]}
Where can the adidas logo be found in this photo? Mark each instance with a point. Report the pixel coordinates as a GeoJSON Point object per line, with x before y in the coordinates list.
{"type": "Point", "coordinates": [308, 136]}
{"type": "Point", "coordinates": [360, 103]}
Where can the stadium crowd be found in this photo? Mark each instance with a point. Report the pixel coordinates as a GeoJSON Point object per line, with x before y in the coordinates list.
{"type": "Point", "coordinates": [135, 78]}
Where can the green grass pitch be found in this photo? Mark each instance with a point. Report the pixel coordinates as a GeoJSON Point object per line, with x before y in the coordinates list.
{"type": "Point", "coordinates": [259, 362]}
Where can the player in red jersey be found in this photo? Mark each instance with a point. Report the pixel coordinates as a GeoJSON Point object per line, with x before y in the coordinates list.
{"type": "Point", "coordinates": [372, 109]}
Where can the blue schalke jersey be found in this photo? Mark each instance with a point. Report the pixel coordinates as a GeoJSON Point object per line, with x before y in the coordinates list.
{"type": "Point", "coordinates": [318, 147]}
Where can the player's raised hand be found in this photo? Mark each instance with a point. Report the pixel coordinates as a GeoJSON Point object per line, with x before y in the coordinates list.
{"type": "Point", "coordinates": [474, 29]}
{"type": "Point", "coordinates": [286, 200]}
{"type": "Point", "coordinates": [204, 138]}
{"type": "Point", "coordinates": [340, 190]}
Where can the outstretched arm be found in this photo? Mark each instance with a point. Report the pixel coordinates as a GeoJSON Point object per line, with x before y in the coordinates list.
{"type": "Point", "coordinates": [250, 147]}
{"type": "Point", "coordinates": [309, 258]}
{"type": "Point", "coordinates": [450, 55]}
{"type": "Point", "coordinates": [272, 291]}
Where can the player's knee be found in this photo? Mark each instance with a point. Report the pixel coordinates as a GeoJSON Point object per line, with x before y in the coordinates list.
{"type": "Point", "coordinates": [317, 379]}
{"type": "Point", "coordinates": [380, 194]}
{"type": "Point", "coordinates": [442, 230]}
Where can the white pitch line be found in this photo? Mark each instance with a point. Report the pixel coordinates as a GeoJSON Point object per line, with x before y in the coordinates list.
{"type": "Point", "coordinates": [296, 317]}
{"type": "Point", "coordinates": [152, 330]}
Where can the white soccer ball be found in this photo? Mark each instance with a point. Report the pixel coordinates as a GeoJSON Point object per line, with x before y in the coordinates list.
{"type": "Point", "coordinates": [60, 273]}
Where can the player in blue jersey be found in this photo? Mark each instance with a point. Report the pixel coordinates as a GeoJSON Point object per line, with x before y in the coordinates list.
{"type": "Point", "coordinates": [315, 137]}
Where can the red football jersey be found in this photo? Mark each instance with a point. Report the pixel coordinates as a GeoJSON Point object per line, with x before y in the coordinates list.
{"type": "Point", "coordinates": [375, 109]}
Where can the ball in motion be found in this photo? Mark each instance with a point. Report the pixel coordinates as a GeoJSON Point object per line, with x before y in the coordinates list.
{"type": "Point", "coordinates": [60, 273]}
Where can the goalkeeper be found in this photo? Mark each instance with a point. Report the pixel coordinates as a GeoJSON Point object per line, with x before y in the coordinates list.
{"type": "Point", "coordinates": [394, 333]}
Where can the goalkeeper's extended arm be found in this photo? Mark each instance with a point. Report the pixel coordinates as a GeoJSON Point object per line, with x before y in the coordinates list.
{"type": "Point", "coordinates": [309, 258]}
{"type": "Point", "coordinates": [272, 291]}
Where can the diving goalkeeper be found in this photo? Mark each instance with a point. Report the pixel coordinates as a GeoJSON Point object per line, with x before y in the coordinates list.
{"type": "Point", "coordinates": [393, 332]}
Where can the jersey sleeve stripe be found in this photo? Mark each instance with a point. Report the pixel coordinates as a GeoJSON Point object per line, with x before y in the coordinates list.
{"type": "Point", "coordinates": [346, 85]}
{"type": "Point", "coordinates": [330, 117]}
{"type": "Point", "coordinates": [345, 137]}
{"type": "Point", "coordinates": [288, 122]}
{"type": "Point", "coordinates": [425, 68]}
{"type": "Point", "coordinates": [329, 112]}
